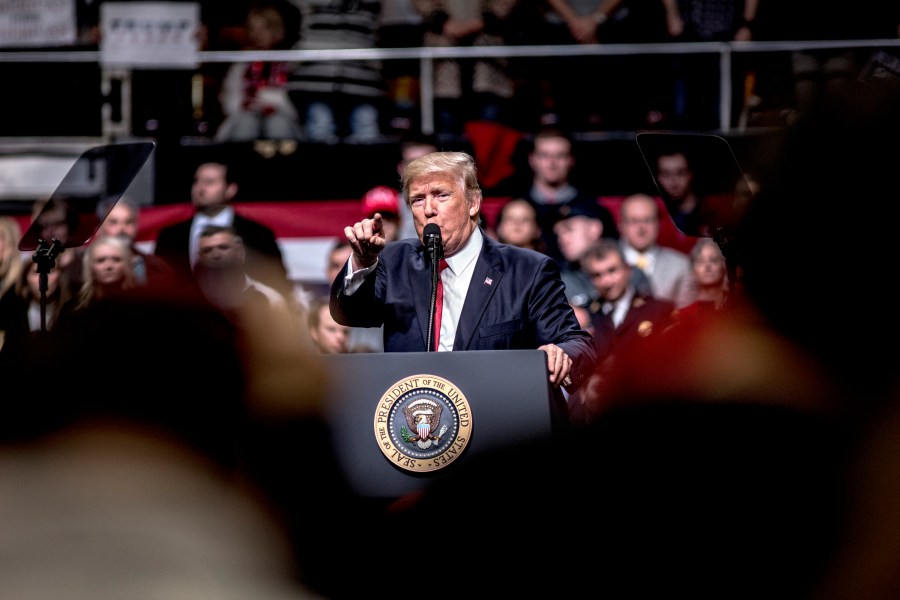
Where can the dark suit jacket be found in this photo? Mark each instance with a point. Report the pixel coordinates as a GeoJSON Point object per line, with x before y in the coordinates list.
{"type": "Point", "coordinates": [647, 316]}
{"type": "Point", "coordinates": [264, 259]}
{"type": "Point", "coordinates": [516, 301]}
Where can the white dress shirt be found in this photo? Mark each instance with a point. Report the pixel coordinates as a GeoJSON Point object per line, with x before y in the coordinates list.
{"type": "Point", "coordinates": [621, 306]}
{"type": "Point", "coordinates": [456, 278]}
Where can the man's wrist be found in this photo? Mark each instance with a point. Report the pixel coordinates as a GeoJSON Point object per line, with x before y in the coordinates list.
{"type": "Point", "coordinates": [357, 265]}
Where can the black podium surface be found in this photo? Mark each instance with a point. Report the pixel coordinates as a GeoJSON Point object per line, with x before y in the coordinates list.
{"type": "Point", "coordinates": [485, 400]}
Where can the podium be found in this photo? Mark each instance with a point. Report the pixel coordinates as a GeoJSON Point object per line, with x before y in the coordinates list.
{"type": "Point", "coordinates": [399, 420]}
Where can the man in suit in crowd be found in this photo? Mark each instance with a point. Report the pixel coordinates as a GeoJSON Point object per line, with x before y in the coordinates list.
{"type": "Point", "coordinates": [667, 270]}
{"type": "Point", "coordinates": [622, 318]}
{"type": "Point", "coordinates": [622, 314]}
{"type": "Point", "coordinates": [495, 296]}
{"type": "Point", "coordinates": [211, 195]}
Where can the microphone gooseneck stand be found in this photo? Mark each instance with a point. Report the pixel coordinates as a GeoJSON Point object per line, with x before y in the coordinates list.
{"type": "Point", "coordinates": [435, 251]}
{"type": "Point", "coordinates": [45, 257]}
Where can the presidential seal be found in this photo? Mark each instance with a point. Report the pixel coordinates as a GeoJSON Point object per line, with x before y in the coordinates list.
{"type": "Point", "coordinates": [423, 423]}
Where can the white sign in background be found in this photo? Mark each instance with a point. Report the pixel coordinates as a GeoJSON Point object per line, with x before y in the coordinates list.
{"type": "Point", "coordinates": [37, 23]}
{"type": "Point", "coordinates": [150, 34]}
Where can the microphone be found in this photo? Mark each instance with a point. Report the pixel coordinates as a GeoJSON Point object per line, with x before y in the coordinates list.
{"type": "Point", "coordinates": [433, 245]}
{"type": "Point", "coordinates": [431, 235]}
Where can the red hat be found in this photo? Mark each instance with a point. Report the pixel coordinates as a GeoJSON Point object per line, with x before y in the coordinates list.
{"type": "Point", "coordinates": [381, 199]}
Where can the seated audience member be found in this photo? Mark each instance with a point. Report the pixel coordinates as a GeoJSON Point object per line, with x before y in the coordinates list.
{"type": "Point", "coordinates": [328, 336]}
{"type": "Point", "coordinates": [212, 193]}
{"type": "Point", "coordinates": [711, 280]}
{"type": "Point", "coordinates": [622, 316]}
{"type": "Point", "coordinates": [254, 95]}
{"type": "Point", "coordinates": [551, 188]}
{"type": "Point", "coordinates": [675, 177]}
{"type": "Point", "coordinates": [107, 271]}
{"type": "Point", "coordinates": [270, 327]}
{"type": "Point", "coordinates": [121, 219]}
{"type": "Point", "coordinates": [222, 275]}
{"type": "Point", "coordinates": [668, 270]}
{"type": "Point", "coordinates": [575, 232]}
{"type": "Point", "coordinates": [517, 225]}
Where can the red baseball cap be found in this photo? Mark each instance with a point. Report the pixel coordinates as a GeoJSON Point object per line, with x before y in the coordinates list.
{"type": "Point", "coordinates": [381, 199]}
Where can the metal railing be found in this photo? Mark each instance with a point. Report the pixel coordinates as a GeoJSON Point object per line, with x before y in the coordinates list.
{"type": "Point", "coordinates": [427, 55]}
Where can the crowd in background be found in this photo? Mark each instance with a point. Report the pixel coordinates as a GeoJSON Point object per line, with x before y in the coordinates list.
{"type": "Point", "coordinates": [738, 435]}
{"type": "Point", "coordinates": [162, 432]}
{"type": "Point", "coordinates": [365, 100]}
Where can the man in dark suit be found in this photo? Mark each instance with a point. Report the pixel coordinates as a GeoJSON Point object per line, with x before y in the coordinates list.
{"type": "Point", "coordinates": [211, 194]}
{"type": "Point", "coordinates": [622, 317]}
{"type": "Point", "coordinates": [495, 296]}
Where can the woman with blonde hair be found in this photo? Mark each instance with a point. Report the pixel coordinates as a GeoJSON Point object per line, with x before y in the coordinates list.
{"type": "Point", "coordinates": [107, 270]}
{"type": "Point", "coordinates": [10, 270]}
{"type": "Point", "coordinates": [10, 258]}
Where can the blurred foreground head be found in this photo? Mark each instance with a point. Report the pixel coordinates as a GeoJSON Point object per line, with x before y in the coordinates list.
{"type": "Point", "coordinates": [819, 242]}
{"type": "Point", "coordinates": [135, 430]}
{"type": "Point", "coordinates": [173, 363]}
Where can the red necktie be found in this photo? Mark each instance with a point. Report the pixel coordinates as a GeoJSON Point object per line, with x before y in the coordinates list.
{"type": "Point", "coordinates": [439, 304]}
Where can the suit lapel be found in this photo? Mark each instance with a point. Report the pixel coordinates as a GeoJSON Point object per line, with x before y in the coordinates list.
{"type": "Point", "coordinates": [485, 281]}
{"type": "Point", "coordinates": [636, 313]}
{"type": "Point", "coordinates": [419, 281]}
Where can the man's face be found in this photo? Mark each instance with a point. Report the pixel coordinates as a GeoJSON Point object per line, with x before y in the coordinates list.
{"type": "Point", "coordinates": [210, 187]}
{"type": "Point", "coordinates": [329, 337]}
{"type": "Point", "coordinates": [674, 175]}
{"type": "Point", "coordinates": [639, 223]}
{"type": "Point", "coordinates": [551, 160]}
{"type": "Point", "coordinates": [441, 199]}
{"type": "Point", "coordinates": [121, 221]}
{"type": "Point", "coordinates": [575, 234]}
{"type": "Point", "coordinates": [221, 250]}
{"type": "Point", "coordinates": [609, 275]}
